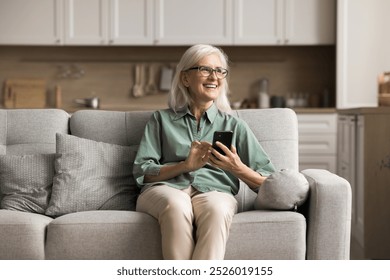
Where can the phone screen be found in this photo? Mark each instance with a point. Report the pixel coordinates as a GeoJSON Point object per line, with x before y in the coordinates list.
{"type": "Point", "coordinates": [225, 137]}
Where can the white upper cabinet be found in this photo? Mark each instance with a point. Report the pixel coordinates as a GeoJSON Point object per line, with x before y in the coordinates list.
{"type": "Point", "coordinates": [113, 22]}
{"type": "Point", "coordinates": [167, 22]}
{"type": "Point", "coordinates": [185, 22]}
{"type": "Point", "coordinates": [280, 22]}
{"type": "Point", "coordinates": [86, 22]}
{"type": "Point", "coordinates": [131, 22]}
{"type": "Point", "coordinates": [258, 22]}
{"type": "Point", "coordinates": [30, 22]}
{"type": "Point", "coordinates": [310, 22]}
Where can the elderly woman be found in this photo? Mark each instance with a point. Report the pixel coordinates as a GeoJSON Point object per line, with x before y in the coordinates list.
{"type": "Point", "coordinates": [186, 184]}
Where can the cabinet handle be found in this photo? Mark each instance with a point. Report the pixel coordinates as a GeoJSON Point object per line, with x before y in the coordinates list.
{"type": "Point", "coordinates": [286, 41]}
{"type": "Point", "coordinates": [58, 41]}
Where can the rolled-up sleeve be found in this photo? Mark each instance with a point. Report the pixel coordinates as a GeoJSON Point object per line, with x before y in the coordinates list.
{"type": "Point", "coordinates": [147, 161]}
{"type": "Point", "coordinates": [252, 153]}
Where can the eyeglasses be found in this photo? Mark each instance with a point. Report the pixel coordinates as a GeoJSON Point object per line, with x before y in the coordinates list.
{"type": "Point", "coordinates": [206, 71]}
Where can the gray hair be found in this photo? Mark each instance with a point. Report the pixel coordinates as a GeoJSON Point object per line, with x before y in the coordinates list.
{"type": "Point", "coordinates": [179, 96]}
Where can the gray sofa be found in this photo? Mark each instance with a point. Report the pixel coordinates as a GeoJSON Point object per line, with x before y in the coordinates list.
{"type": "Point", "coordinates": [320, 229]}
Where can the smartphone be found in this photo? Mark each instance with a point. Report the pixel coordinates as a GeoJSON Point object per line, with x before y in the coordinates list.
{"type": "Point", "coordinates": [225, 137]}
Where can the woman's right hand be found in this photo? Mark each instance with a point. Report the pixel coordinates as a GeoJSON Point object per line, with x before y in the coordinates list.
{"type": "Point", "coordinates": [198, 155]}
{"type": "Point", "coordinates": [197, 158]}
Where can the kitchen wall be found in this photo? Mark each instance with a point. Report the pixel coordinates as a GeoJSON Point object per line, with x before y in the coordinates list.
{"type": "Point", "coordinates": [108, 72]}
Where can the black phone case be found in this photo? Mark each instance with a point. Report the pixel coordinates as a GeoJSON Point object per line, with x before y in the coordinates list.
{"type": "Point", "coordinates": [225, 137]}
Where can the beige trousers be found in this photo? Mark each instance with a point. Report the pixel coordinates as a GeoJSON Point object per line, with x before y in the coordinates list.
{"type": "Point", "coordinates": [183, 212]}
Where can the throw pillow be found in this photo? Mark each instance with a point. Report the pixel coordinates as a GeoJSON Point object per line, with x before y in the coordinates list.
{"type": "Point", "coordinates": [92, 175]}
{"type": "Point", "coordinates": [26, 181]}
{"type": "Point", "coordinates": [282, 190]}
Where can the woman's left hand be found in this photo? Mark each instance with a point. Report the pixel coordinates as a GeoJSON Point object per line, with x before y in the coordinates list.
{"type": "Point", "coordinates": [232, 163]}
{"type": "Point", "coordinates": [229, 162]}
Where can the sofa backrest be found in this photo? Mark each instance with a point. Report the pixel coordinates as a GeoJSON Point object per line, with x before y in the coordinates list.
{"type": "Point", "coordinates": [31, 131]}
{"type": "Point", "coordinates": [276, 129]}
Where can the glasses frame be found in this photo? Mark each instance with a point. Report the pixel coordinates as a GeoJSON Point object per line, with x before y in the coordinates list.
{"type": "Point", "coordinates": [200, 68]}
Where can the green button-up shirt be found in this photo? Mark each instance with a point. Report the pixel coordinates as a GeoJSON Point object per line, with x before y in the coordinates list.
{"type": "Point", "coordinates": [167, 140]}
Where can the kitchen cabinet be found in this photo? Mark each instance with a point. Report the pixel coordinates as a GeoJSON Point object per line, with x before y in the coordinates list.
{"type": "Point", "coordinates": [30, 22]}
{"type": "Point", "coordinates": [317, 141]}
{"type": "Point", "coordinates": [187, 22]}
{"type": "Point", "coordinates": [362, 51]}
{"type": "Point", "coordinates": [131, 22]}
{"type": "Point", "coordinates": [108, 22]}
{"type": "Point", "coordinates": [281, 22]}
{"type": "Point", "coordinates": [364, 160]}
{"type": "Point", "coordinates": [76, 22]}
{"type": "Point", "coordinates": [85, 22]}
{"type": "Point", "coordinates": [167, 22]}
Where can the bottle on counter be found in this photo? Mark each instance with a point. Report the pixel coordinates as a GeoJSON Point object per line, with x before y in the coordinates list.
{"type": "Point", "coordinates": [290, 101]}
{"type": "Point", "coordinates": [58, 97]}
{"type": "Point", "coordinates": [263, 100]}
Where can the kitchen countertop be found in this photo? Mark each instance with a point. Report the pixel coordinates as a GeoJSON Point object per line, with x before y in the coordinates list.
{"type": "Point", "coordinates": [365, 110]}
{"type": "Point", "coordinates": [315, 110]}
{"type": "Point", "coordinates": [154, 107]}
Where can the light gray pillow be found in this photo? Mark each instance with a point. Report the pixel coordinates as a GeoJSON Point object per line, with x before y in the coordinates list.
{"type": "Point", "coordinates": [282, 190]}
{"type": "Point", "coordinates": [92, 175]}
{"type": "Point", "coordinates": [26, 181]}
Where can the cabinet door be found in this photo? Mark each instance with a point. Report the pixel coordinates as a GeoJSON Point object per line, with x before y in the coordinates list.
{"type": "Point", "coordinates": [317, 141]}
{"type": "Point", "coordinates": [318, 162]}
{"type": "Point", "coordinates": [347, 160]}
{"type": "Point", "coordinates": [131, 22]}
{"type": "Point", "coordinates": [186, 22]}
{"type": "Point", "coordinates": [358, 198]}
{"type": "Point", "coordinates": [258, 22]}
{"type": "Point", "coordinates": [360, 61]}
{"type": "Point", "coordinates": [310, 22]}
{"type": "Point", "coordinates": [86, 22]}
{"type": "Point", "coordinates": [30, 23]}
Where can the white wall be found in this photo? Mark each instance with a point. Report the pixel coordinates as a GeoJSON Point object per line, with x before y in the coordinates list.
{"type": "Point", "coordinates": [363, 51]}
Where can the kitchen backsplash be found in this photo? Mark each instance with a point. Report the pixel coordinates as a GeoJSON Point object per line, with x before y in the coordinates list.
{"type": "Point", "coordinates": [110, 73]}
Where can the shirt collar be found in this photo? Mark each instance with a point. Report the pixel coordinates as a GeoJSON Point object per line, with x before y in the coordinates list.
{"type": "Point", "coordinates": [210, 114]}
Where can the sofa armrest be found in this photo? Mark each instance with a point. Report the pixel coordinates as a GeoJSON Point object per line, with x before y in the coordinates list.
{"type": "Point", "coordinates": [328, 215]}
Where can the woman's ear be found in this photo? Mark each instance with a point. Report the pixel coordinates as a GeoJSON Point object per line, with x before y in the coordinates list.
{"type": "Point", "coordinates": [184, 79]}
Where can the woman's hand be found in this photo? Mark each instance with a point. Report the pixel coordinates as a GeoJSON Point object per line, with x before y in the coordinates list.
{"type": "Point", "coordinates": [232, 163]}
{"type": "Point", "coordinates": [229, 162]}
{"type": "Point", "coordinates": [198, 156]}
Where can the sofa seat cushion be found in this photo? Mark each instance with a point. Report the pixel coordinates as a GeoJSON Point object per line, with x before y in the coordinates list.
{"type": "Point", "coordinates": [22, 235]}
{"type": "Point", "coordinates": [267, 235]}
{"type": "Point", "coordinates": [103, 235]}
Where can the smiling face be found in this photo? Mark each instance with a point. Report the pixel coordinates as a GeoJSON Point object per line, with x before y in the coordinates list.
{"type": "Point", "coordinates": [203, 90]}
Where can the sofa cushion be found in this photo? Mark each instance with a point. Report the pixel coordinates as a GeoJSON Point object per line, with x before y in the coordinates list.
{"type": "Point", "coordinates": [22, 235]}
{"type": "Point", "coordinates": [92, 175]}
{"type": "Point", "coordinates": [26, 181]}
{"type": "Point", "coordinates": [267, 235]}
{"type": "Point", "coordinates": [282, 190]}
{"type": "Point", "coordinates": [104, 235]}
